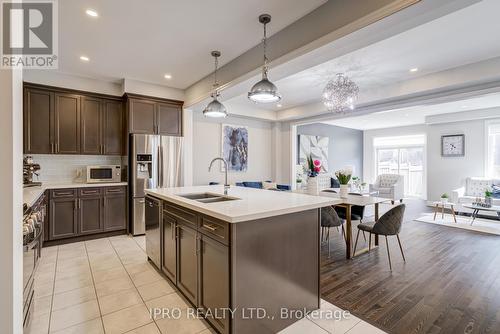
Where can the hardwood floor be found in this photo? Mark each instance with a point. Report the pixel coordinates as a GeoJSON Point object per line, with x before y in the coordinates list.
{"type": "Point", "coordinates": [449, 284]}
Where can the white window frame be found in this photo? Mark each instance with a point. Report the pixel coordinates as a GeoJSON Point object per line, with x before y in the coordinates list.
{"type": "Point", "coordinates": [487, 146]}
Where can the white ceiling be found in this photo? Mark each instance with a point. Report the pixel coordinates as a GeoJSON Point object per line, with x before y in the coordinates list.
{"type": "Point", "coordinates": [463, 37]}
{"type": "Point", "coordinates": [414, 115]}
{"type": "Point", "coordinates": [143, 40]}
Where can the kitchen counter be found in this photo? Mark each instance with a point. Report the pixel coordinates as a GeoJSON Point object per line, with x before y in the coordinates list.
{"type": "Point", "coordinates": [251, 203]}
{"type": "Point", "coordinates": [31, 194]}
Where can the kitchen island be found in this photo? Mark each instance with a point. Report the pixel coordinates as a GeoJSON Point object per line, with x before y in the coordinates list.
{"type": "Point", "coordinates": [249, 261]}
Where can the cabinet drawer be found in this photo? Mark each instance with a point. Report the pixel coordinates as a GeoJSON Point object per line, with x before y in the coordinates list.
{"type": "Point", "coordinates": [63, 193]}
{"type": "Point", "coordinates": [84, 192]}
{"type": "Point", "coordinates": [114, 190]}
{"type": "Point", "coordinates": [214, 228]}
{"type": "Point", "coordinates": [181, 214]}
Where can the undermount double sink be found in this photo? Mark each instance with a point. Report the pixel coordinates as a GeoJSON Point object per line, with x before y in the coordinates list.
{"type": "Point", "coordinates": [209, 197]}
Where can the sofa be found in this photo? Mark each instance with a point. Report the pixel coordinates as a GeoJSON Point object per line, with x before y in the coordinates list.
{"type": "Point", "coordinates": [262, 185]}
{"type": "Point", "coordinates": [474, 187]}
{"type": "Point", "coordinates": [390, 186]}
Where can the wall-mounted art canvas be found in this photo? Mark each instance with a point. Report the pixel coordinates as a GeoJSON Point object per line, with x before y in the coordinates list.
{"type": "Point", "coordinates": [316, 146]}
{"type": "Point", "coordinates": [235, 147]}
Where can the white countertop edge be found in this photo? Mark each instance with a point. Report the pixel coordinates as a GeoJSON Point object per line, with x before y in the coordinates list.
{"type": "Point", "coordinates": [202, 207]}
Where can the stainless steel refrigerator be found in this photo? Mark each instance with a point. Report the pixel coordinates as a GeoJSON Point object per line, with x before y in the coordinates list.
{"type": "Point", "coordinates": [155, 162]}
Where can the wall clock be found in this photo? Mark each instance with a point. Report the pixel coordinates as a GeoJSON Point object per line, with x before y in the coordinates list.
{"type": "Point", "coordinates": [453, 146]}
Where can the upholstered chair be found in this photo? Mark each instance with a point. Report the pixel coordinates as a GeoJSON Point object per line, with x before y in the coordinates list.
{"type": "Point", "coordinates": [389, 224]}
{"type": "Point", "coordinates": [330, 218]}
{"type": "Point", "coordinates": [390, 186]}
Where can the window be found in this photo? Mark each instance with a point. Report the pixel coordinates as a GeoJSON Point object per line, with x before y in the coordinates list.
{"type": "Point", "coordinates": [403, 155]}
{"type": "Point", "coordinates": [493, 158]}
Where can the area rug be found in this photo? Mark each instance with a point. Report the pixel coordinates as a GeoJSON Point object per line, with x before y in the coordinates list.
{"type": "Point", "coordinates": [480, 225]}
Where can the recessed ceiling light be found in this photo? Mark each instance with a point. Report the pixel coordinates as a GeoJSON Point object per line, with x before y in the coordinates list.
{"type": "Point", "coordinates": [91, 12]}
{"type": "Point", "coordinates": [413, 70]}
{"type": "Point", "coordinates": [168, 76]}
{"type": "Point", "coordinates": [279, 105]}
{"type": "Point", "coordinates": [463, 107]}
{"type": "Point", "coordinates": [84, 58]}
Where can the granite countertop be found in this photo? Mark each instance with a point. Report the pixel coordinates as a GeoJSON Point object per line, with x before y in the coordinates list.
{"type": "Point", "coordinates": [251, 203]}
{"type": "Point", "coordinates": [32, 194]}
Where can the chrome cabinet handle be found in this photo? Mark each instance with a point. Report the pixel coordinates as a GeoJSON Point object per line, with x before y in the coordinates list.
{"type": "Point", "coordinates": [210, 227]}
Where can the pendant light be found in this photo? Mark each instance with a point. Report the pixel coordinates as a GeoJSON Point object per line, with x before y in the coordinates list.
{"type": "Point", "coordinates": [264, 91]}
{"type": "Point", "coordinates": [215, 109]}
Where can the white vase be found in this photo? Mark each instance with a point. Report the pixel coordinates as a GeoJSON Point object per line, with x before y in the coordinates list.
{"type": "Point", "coordinates": [344, 190]}
{"type": "Point", "coordinates": [312, 186]}
{"type": "Point", "coordinates": [444, 200]}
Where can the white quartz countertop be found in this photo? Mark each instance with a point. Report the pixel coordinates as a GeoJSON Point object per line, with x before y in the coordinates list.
{"type": "Point", "coordinates": [32, 194]}
{"type": "Point", "coordinates": [251, 203]}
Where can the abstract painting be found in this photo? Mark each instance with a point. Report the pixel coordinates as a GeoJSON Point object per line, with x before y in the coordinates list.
{"type": "Point", "coordinates": [317, 147]}
{"type": "Point", "coordinates": [235, 147]}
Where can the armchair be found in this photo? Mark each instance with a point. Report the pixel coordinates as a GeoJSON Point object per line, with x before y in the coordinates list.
{"type": "Point", "coordinates": [389, 186]}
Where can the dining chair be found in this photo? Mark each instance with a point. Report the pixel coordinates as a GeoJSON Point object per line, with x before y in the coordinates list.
{"type": "Point", "coordinates": [357, 212]}
{"type": "Point", "coordinates": [389, 224]}
{"type": "Point", "coordinates": [330, 218]}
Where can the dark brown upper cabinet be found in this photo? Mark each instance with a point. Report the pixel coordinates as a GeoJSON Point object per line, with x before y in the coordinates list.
{"type": "Point", "coordinates": [102, 130]}
{"type": "Point", "coordinates": [154, 116]}
{"type": "Point", "coordinates": [169, 119]}
{"type": "Point", "coordinates": [38, 121]}
{"type": "Point", "coordinates": [67, 123]}
{"type": "Point", "coordinates": [62, 121]}
{"type": "Point", "coordinates": [113, 128]}
{"type": "Point", "coordinates": [91, 121]}
{"type": "Point", "coordinates": [142, 116]}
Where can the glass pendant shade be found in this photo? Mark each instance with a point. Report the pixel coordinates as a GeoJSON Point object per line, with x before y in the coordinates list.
{"type": "Point", "coordinates": [264, 91]}
{"type": "Point", "coordinates": [215, 109]}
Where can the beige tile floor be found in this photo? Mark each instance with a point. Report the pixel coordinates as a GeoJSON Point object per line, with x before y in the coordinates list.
{"type": "Point", "coordinates": [108, 286]}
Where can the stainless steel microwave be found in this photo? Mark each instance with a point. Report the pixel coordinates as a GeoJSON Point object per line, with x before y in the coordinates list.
{"type": "Point", "coordinates": [104, 173]}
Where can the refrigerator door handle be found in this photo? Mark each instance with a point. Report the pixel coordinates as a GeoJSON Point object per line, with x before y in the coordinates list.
{"type": "Point", "coordinates": [161, 167]}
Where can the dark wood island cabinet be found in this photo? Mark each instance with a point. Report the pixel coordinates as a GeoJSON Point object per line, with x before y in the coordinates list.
{"type": "Point", "coordinates": [242, 255]}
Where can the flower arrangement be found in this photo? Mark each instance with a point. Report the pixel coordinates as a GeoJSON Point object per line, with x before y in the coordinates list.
{"type": "Point", "coordinates": [314, 166]}
{"type": "Point", "coordinates": [444, 198]}
{"type": "Point", "coordinates": [344, 175]}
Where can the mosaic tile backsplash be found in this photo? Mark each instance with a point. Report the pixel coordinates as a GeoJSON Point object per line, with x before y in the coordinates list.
{"type": "Point", "coordinates": [65, 168]}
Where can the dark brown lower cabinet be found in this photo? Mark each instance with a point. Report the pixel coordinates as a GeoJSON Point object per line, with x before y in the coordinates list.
{"type": "Point", "coordinates": [84, 211]}
{"type": "Point", "coordinates": [187, 262]}
{"type": "Point", "coordinates": [214, 282]}
{"type": "Point", "coordinates": [169, 262]}
{"type": "Point", "coordinates": [63, 218]}
{"type": "Point", "coordinates": [90, 214]}
{"type": "Point", "coordinates": [115, 212]}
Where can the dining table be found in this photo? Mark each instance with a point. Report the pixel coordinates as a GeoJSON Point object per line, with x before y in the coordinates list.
{"type": "Point", "coordinates": [348, 202]}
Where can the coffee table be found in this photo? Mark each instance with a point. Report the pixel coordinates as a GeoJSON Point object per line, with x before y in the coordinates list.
{"type": "Point", "coordinates": [444, 205]}
{"type": "Point", "coordinates": [477, 208]}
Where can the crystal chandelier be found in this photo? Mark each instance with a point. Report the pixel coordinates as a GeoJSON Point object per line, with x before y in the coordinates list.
{"type": "Point", "coordinates": [215, 108]}
{"type": "Point", "coordinates": [340, 94]}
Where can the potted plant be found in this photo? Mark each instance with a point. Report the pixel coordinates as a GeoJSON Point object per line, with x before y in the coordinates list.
{"type": "Point", "coordinates": [344, 176]}
{"type": "Point", "coordinates": [313, 169]}
{"type": "Point", "coordinates": [444, 198]}
{"type": "Point", "coordinates": [487, 197]}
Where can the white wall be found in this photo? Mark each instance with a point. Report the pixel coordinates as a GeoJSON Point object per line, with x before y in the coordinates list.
{"type": "Point", "coordinates": [11, 259]}
{"type": "Point", "coordinates": [443, 174]}
{"type": "Point", "coordinates": [207, 145]}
